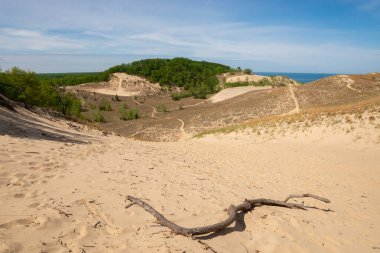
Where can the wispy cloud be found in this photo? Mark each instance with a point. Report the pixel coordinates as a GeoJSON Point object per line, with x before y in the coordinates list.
{"type": "Point", "coordinates": [24, 40]}
{"type": "Point", "coordinates": [209, 30]}
{"type": "Point", "coordinates": [369, 5]}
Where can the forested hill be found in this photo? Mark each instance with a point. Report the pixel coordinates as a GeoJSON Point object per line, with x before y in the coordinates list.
{"type": "Point", "coordinates": [180, 72]}
{"type": "Point", "coordinates": [197, 78]}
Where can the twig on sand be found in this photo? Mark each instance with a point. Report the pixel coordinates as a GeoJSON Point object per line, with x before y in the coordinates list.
{"type": "Point", "coordinates": [247, 205]}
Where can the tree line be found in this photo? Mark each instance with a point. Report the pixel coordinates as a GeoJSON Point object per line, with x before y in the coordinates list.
{"type": "Point", "coordinates": [27, 87]}
{"type": "Point", "coordinates": [197, 78]}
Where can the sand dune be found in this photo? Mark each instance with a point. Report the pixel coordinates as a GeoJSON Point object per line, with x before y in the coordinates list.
{"type": "Point", "coordinates": [61, 196]}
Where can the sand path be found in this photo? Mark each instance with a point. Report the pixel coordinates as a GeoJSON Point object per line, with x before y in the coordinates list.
{"type": "Point", "coordinates": [349, 82]}
{"type": "Point", "coordinates": [183, 134]}
{"type": "Point", "coordinates": [154, 112]}
{"type": "Point", "coordinates": [295, 100]}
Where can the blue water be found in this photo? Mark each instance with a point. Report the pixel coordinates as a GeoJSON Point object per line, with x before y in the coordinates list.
{"type": "Point", "coordinates": [299, 77]}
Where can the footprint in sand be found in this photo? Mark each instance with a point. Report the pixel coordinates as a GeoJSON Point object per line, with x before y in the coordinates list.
{"type": "Point", "coordinates": [18, 223]}
{"type": "Point", "coordinates": [34, 205]}
{"type": "Point", "coordinates": [111, 228]}
{"type": "Point", "coordinates": [10, 247]}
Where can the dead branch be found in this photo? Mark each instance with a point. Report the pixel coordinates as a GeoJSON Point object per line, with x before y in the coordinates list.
{"type": "Point", "coordinates": [233, 210]}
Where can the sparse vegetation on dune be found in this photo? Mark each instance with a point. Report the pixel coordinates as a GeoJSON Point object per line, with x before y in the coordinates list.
{"type": "Point", "coordinates": [161, 108]}
{"type": "Point", "coordinates": [98, 117]}
{"type": "Point", "coordinates": [338, 114]}
{"type": "Point", "coordinates": [263, 82]}
{"type": "Point", "coordinates": [105, 105]}
{"type": "Point", "coordinates": [130, 114]}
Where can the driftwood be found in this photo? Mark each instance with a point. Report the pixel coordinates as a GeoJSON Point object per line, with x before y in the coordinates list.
{"type": "Point", "coordinates": [247, 205]}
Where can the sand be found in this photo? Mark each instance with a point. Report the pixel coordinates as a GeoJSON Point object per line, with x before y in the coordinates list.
{"type": "Point", "coordinates": [244, 78]}
{"type": "Point", "coordinates": [229, 93]}
{"type": "Point", "coordinates": [121, 84]}
{"type": "Point", "coordinates": [68, 195]}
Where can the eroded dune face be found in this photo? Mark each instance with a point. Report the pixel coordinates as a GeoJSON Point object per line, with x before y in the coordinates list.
{"type": "Point", "coordinates": [131, 85]}
{"type": "Point", "coordinates": [123, 84]}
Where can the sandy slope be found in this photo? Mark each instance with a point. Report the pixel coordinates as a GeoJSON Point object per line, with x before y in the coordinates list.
{"type": "Point", "coordinates": [121, 84]}
{"type": "Point", "coordinates": [234, 92]}
{"type": "Point", "coordinates": [59, 195]}
{"type": "Point", "coordinates": [244, 78]}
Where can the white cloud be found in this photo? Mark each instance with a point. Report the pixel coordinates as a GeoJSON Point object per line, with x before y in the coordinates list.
{"type": "Point", "coordinates": [23, 40]}
{"type": "Point", "coordinates": [369, 5]}
{"type": "Point", "coordinates": [147, 28]}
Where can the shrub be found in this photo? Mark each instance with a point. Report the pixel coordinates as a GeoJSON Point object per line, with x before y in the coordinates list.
{"type": "Point", "coordinates": [132, 114]}
{"type": "Point", "coordinates": [129, 115]}
{"type": "Point", "coordinates": [105, 105]}
{"type": "Point", "coordinates": [179, 95]}
{"type": "Point", "coordinates": [123, 113]}
{"type": "Point", "coordinates": [161, 108]}
{"type": "Point", "coordinates": [73, 106]}
{"type": "Point", "coordinates": [247, 71]}
{"type": "Point", "coordinates": [263, 82]}
{"type": "Point", "coordinates": [98, 117]}
{"type": "Point", "coordinates": [201, 92]}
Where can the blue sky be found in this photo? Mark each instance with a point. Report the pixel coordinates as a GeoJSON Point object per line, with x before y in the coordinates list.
{"type": "Point", "coordinates": [336, 36]}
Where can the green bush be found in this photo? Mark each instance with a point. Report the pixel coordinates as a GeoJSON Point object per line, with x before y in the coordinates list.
{"type": "Point", "coordinates": [263, 82]}
{"type": "Point", "coordinates": [98, 117]}
{"type": "Point", "coordinates": [179, 95]}
{"type": "Point", "coordinates": [105, 105]}
{"type": "Point", "coordinates": [201, 92]}
{"type": "Point", "coordinates": [161, 108]}
{"type": "Point", "coordinates": [247, 71]}
{"type": "Point", "coordinates": [124, 113]}
{"type": "Point", "coordinates": [131, 114]}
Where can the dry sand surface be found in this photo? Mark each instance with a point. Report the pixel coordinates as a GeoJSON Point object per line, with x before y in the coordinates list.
{"type": "Point", "coordinates": [63, 188]}
{"type": "Point", "coordinates": [233, 92]}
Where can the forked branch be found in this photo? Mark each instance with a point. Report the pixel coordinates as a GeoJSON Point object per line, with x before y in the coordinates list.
{"type": "Point", "coordinates": [233, 210]}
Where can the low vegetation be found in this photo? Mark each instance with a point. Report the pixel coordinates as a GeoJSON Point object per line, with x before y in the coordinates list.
{"type": "Point", "coordinates": [130, 114]}
{"type": "Point", "coordinates": [263, 82]}
{"type": "Point", "coordinates": [161, 108]}
{"type": "Point", "coordinates": [105, 105]}
{"type": "Point", "coordinates": [338, 114]}
{"type": "Point", "coordinates": [179, 95]}
{"type": "Point", "coordinates": [98, 117]}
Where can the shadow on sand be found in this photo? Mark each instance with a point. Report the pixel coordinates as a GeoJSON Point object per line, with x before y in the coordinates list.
{"type": "Point", "coordinates": [16, 124]}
